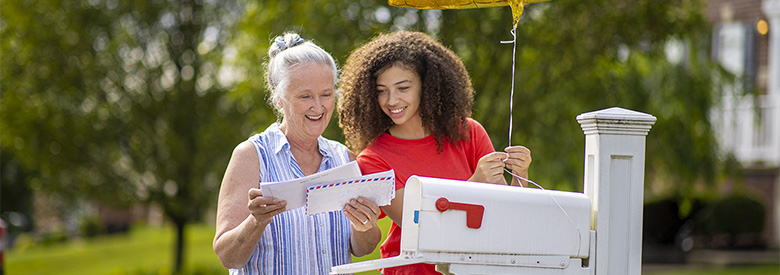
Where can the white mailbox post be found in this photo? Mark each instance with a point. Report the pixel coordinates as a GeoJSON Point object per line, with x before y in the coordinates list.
{"type": "Point", "coordinates": [473, 228]}
{"type": "Point", "coordinates": [614, 182]}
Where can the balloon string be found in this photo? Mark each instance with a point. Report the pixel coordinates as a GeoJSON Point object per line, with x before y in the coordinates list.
{"type": "Point", "coordinates": [512, 89]}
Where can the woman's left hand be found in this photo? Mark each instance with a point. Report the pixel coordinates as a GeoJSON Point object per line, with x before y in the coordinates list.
{"type": "Point", "coordinates": [363, 214]}
{"type": "Point", "coordinates": [518, 160]}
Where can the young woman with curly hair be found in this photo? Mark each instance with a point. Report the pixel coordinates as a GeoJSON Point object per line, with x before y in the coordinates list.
{"type": "Point", "coordinates": [406, 105]}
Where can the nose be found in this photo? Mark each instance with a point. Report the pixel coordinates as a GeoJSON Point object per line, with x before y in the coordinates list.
{"type": "Point", "coordinates": [319, 104]}
{"type": "Point", "coordinates": [392, 97]}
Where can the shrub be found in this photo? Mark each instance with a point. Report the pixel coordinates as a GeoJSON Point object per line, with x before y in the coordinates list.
{"type": "Point", "coordinates": [53, 237]}
{"type": "Point", "coordinates": [735, 214]}
{"type": "Point", "coordinates": [661, 221]}
{"type": "Point", "coordinates": [90, 227]}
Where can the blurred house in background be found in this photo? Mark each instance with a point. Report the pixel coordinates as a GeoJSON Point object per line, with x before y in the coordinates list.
{"type": "Point", "coordinates": [746, 42]}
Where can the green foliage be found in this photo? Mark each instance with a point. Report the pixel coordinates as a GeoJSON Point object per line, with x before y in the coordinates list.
{"type": "Point", "coordinates": [120, 102]}
{"type": "Point", "coordinates": [575, 57]}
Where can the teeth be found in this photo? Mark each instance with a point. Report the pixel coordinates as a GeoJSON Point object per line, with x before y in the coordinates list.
{"type": "Point", "coordinates": [314, 118]}
{"type": "Point", "coordinates": [396, 110]}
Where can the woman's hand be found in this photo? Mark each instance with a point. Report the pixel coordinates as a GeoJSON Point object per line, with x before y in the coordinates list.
{"type": "Point", "coordinates": [263, 209]}
{"type": "Point", "coordinates": [490, 168]}
{"type": "Point", "coordinates": [518, 160]}
{"type": "Point", "coordinates": [363, 214]}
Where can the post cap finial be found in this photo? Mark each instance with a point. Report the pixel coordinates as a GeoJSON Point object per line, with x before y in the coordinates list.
{"type": "Point", "coordinates": [616, 120]}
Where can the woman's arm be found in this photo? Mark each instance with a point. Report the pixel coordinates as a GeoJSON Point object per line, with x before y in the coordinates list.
{"type": "Point", "coordinates": [242, 211]}
{"type": "Point", "coordinates": [363, 215]}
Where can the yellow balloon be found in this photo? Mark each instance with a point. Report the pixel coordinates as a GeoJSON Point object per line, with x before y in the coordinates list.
{"type": "Point", "coordinates": [516, 5]}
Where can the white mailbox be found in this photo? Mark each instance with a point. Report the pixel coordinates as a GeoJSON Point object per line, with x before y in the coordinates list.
{"type": "Point", "coordinates": [495, 228]}
{"type": "Point", "coordinates": [450, 216]}
{"type": "Point", "coordinates": [475, 228]}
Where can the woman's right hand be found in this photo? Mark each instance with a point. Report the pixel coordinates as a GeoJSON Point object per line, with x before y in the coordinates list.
{"type": "Point", "coordinates": [263, 209]}
{"type": "Point", "coordinates": [490, 168]}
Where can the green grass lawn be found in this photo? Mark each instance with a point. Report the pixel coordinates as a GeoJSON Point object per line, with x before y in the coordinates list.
{"type": "Point", "coordinates": [149, 250]}
{"type": "Point", "coordinates": [144, 250]}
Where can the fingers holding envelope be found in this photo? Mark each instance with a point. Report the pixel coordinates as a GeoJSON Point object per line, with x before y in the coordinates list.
{"type": "Point", "coordinates": [363, 213]}
{"type": "Point", "coordinates": [264, 208]}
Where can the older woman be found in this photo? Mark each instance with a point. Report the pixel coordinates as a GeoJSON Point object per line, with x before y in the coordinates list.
{"type": "Point", "coordinates": [255, 234]}
{"type": "Point", "coordinates": [406, 105]}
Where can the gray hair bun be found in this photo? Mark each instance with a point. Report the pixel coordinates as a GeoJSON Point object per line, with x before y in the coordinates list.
{"type": "Point", "coordinates": [287, 52]}
{"type": "Point", "coordinates": [283, 42]}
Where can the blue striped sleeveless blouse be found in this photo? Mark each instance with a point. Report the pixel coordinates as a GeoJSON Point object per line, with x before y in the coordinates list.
{"type": "Point", "coordinates": [294, 243]}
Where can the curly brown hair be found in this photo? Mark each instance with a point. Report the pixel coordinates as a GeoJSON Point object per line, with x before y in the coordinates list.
{"type": "Point", "coordinates": [445, 101]}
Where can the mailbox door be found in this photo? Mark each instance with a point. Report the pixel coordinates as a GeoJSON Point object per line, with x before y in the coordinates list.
{"type": "Point", "coordinates": [515, 220]}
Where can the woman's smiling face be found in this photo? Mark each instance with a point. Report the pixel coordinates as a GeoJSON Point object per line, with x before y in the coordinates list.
{"type": "Point", "coordinates": [398, 92]}
{"type": "Point", "coordinates": [310, 99]}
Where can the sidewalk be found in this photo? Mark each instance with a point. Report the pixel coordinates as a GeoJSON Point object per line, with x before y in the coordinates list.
{"type": "Point", "coordinates": [702, 259]}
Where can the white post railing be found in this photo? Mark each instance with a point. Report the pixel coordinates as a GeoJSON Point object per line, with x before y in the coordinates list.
{"type": "Point", "coordinates": [614, 182]}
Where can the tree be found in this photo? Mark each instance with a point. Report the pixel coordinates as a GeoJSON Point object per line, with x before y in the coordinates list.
{"type": "Point", "coordinates": [575, 57]}
{"type": "Point", "coordinates": [572, 57]}
{"type": "Point", "coordinates": [121, 101]}
{"type": "Point", "coordinates": [125, 101]}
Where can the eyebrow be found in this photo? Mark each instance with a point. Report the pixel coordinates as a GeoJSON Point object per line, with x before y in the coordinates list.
{"type": "Point", "coordinates": [399, 82]}
{"type": "Point", "coordinates": [309, 91]}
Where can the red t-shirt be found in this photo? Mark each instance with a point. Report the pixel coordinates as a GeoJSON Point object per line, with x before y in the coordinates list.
{"type": "Point", "coordinates": [420, 157]}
